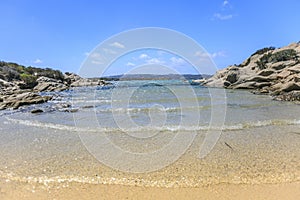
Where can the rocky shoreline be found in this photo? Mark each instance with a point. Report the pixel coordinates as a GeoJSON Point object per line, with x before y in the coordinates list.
{"type": "Point", "coordinates": [270, 71]}
{"type": "Point", "coordinates": [20, 86]}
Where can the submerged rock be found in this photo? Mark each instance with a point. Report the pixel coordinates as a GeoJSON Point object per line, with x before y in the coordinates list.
{"type": "Point", "coordinates": [36, 111]}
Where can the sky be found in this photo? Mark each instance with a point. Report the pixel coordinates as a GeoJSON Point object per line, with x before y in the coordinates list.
{"type": "Point", "coordinates": [60, 34]}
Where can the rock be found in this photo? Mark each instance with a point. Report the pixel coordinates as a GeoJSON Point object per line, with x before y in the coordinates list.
{"type": "Point", "coordinates": [71, 78]}
{"type": "Point", "coordinates": [260, 79]}
{"type": "Point", "coordinates": [46, 84]}
{"type": "Point", "coordinates": [267, 71]}
{"type": "Point", "coordinates": [50, 87]}
{"type": "Point", "coordinates": [282, 64]}
{"type": "Point", "coordinates": [5, 84]}
{"type": "Point", "coordinates": [247, 85]}
{"type": "Point", "coordinates": [294, 69]}
{"type": "Point", "coordinates": [87, 82]}
{"type": "Point", "coordinates": [284, 74]}
{"type": "Point", "coordinates": [290, 96]}
{"type": "Point", "coordinates": [215, 83]}
{"type": "Point", "coordinates": [232, 77]}
{"type": "Point", "coordinates": [88, 106]}
{"type": "Point", "coordinates": [261, 85]}
{"type": "Point", "coordinates": [290, 87]}
{"type": "Point", "coordinates": [36, 111]}
{"type": "Point", "coordinates": [227, 84]}
{"type": "Point", "coordinates": [20, 85]}
{"type": "Point", "coordinates": [70, 110]}
{"type": "Point", "coordinates": [17, 100]}
{"type": "Point", "coordinates": [198, 81]}
{"type": "Point", "coordinates": [44, 79]}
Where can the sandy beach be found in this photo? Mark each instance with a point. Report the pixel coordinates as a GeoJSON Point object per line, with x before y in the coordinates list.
{"type": "Point", "coordinates": [286, 191]}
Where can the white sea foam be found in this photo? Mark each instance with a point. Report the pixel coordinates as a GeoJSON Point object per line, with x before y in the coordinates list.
{"type": "Point", "coordinates": [174, 128]}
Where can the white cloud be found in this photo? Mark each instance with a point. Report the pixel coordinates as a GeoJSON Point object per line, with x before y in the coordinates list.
{"type": "Point", "coordinates": [144, 56]}
{"type": "Point", "coordinates": [205, 55]}
{"type": "Point", "coordinates": [225, 13]}
{"type": "Point", "coordinates": [218, 54]}
{"type": "Point", "coordinates": [130, 64]}
{"type": "Point", "coordinates": [95, 55]}
{"type": "Point", "coordinates": [37, 61]}
{"type": "Point", "coordinates": [177, 61]}
{"type": "Point", "coordinates": [155, 61]}
{"type": "Point", "coordinates": [220, 16]}
{"type": "Point", "coordinates": [117, 45]}
{"type": "Point", "coordinates": [86, 53]}
{"type": "Point", "coordinates": [109, 51]}
{"type": "Point", "coordinates": [97, 62]}
{"type": "Point", "coordinates": [225, 3]}
{"type": "Point", "coordinates": [96, 58]}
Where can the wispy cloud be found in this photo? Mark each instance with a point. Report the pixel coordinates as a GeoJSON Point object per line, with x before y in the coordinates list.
{"type": "Point", "coordinates": [109, 51]}
{"type": "Point", "coordinates": [220, 16]}
{"type": "Point", "coordinates": [97, 62]}
{"type": "Point", "coordinates": [37, 61]}
{"type": "Point", "coordinates": [144, 56]}
{"type": "Point", "coordinates": [130, 64]}
{"type": "Point", "coordinates": [95, 55]}
{"type": "Point", "coordinates": [96, 58]}
{"type": "Point", "coordinates": [117, 45]}
{"type": "Point", "coordinates": [205, 55]}
{"type": "Point", "coordinates": [155, 61]}
{"type": "Point", "coordinates": [225, 12]}
{"type": "Point", "coordinates": [225, 3]}
{"type": "Point", "coordinates": [177, 61]}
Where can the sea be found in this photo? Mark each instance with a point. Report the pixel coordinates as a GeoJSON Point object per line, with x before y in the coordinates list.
{"type": "Point", "coordinates": [151, 133]}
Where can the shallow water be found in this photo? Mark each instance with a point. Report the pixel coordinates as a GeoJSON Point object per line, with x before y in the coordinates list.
{"type": "Point", "coordinates": [259, 143]}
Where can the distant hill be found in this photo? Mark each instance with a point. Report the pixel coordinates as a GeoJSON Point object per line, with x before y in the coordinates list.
{"type": "Point", "coordinates": [156, 77]}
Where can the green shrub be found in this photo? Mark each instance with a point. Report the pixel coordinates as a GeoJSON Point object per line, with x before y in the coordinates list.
{"type": "Point", "coordinates": [284, 55]}
{"type": "Point", "coordinates": [29, 80]}
{"type": "Point", "coordinates": [263, 50]}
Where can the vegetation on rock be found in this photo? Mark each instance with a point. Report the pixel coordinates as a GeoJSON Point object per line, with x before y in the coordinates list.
{"type": "Point", "coordinates": [283, 55]}
{"type": "Point", "coordinates": [12, 71]}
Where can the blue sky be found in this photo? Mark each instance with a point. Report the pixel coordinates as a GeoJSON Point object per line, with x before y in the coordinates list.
{"type": "Point", "coordinates": [60, 33]}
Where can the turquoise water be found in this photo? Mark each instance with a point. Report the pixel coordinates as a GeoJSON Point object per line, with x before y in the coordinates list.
{"type": "Point", "coordinates": [259, 143]}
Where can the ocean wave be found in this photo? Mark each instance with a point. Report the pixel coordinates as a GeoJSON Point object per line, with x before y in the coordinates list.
{"type": "Point", "coordinates": [153, 109]}
{"type": "Point", "coordinates": [169, 128]}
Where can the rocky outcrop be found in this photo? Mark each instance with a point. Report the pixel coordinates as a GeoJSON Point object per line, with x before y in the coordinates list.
{"type": "Point", "coordinates": [21, 85]}
{"type": "Point", "coordinates": [88, 82]}
{"type": "Point", "coordinates": [46, 84]}
{"type": "Point", "coordinates": [268, 71]}
{"type": "Point", "coordinates": [16, 100]}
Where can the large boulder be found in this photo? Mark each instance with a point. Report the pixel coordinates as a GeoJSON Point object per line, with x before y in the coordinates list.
{"type": "Point", "coordinates": [49, 85]}
{"type": "Point", "coordinates": [87, 82]}
{"type": "Point", "coordinates": [290, 86]}
{"type": "Point", "coordinates": [16, 100]}
{"type": "Point", "coordinates": [71, 78]}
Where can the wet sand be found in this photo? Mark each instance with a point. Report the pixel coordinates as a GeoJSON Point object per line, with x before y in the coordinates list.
{"type": "Point", "coordinates": [287, 191]}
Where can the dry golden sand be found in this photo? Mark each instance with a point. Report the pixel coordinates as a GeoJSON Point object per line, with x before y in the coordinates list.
{"type": "Point", "coordinates": [286, 191]}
